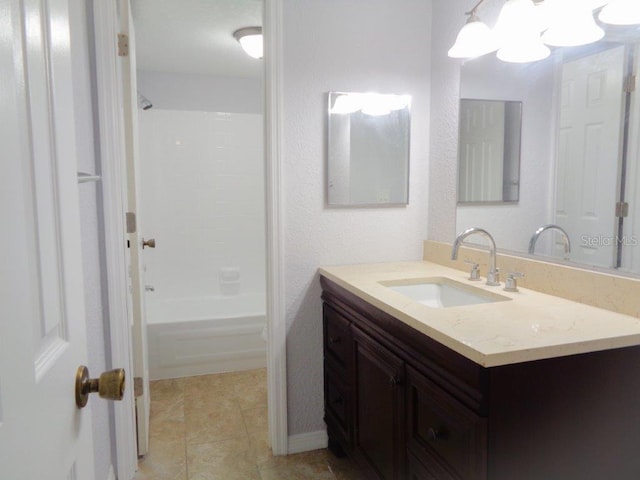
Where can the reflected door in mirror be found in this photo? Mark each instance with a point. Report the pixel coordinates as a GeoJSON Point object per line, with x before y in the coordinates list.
{"type": "Point", "coordinates": [489, 151]}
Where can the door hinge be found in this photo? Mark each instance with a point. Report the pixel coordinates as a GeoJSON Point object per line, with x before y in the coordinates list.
{"type": "Point", "coordinates": [622, 209]}
{"type": "Point", "coordinates": [131, 222]}
{"type": "Point", "coordinates": [123, 45]}
{"type": "Point", "coordinates": [630, 84]}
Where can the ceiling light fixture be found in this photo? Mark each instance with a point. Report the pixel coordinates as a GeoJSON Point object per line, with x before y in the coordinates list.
{"type": "Point", "coordinates": [250, 39]}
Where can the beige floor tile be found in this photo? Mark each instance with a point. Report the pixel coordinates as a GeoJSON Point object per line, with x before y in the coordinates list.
{"type": "Point", "coordinates": [215, 427]}
{"type": "Point", "coordinates": [225, 460]}
{"type": "Point", "coordinates": [256, 420]}
{"type": "Point", "coordinates": [302, 466]}
{"type": "Point", "coordinates": [225, 424]}
{"type": "Point", "coordinates": [165, 461]}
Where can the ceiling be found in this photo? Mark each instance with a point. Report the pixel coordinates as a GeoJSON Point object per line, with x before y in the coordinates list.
{"type": "Point", "coordinates": [195, 36]}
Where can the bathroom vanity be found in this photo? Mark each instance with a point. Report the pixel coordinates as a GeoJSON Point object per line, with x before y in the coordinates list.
{"type": "Point", "coordinates": [531, 387]}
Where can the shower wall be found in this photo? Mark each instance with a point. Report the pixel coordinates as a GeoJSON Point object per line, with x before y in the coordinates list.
{"type": "Point", "coordinates": [202, 198]}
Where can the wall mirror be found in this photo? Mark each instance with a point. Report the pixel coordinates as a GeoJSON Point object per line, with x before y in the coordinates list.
{"type": "Point", "coordinates": [580, 162]}
{"type": "Point", "coordinates": [489, 151]}
{"type": "Point", "coordinates": [368, 149]}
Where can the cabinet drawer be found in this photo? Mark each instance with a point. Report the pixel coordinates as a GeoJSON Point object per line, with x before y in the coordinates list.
{"type": "Point", "coordinates": [336, 336]}
{"type": "Point", "coordinates": [441, 432]}
{"type": "Point", "coordinates": [416, 470]}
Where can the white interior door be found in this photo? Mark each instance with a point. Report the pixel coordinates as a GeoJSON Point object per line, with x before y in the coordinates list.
{"type": "Point", "coordinates": [588, 154]}
{"type": "Point", "coordinates": [43, 435]}
{"type": "Point", "coordinates": [481, 151]}
{"type": "Point", "coordinates": [136, 251]}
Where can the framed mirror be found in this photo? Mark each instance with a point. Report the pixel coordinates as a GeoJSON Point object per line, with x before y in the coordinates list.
{"type": "Point", "coordinates": [580, 161]}
{"type": "Point", "coordinates": [489, 151]}
{"type": "Point", "coordinates": [368, 149]}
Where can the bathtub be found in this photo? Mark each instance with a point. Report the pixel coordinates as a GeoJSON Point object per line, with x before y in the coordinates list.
{"type": "Point", "coordinates": [200, 336]}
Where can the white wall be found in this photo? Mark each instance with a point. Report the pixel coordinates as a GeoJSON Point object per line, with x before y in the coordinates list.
{"type": "Point", "coordinates": [348, 46]}
{"type": "Point", "coordinates": [445, 89]}
{"type": "Point", "coordinates": [202, 192]}
{"type": "Point", "coordinates": [98, 341]}
{"type": "Point", "coordinates": [178, 91]}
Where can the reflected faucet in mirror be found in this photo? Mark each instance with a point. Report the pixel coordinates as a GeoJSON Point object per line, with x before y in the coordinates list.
{"type": "Point", "coordinates": [493, 276]}
{"type": "Point", "coordinates": [538, 232]}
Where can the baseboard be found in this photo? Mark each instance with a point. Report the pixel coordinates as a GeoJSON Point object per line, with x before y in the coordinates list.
{"type": "Point", "coordinates": [305, 442]}
{"type": "Point", "coordinates": [112, 474]}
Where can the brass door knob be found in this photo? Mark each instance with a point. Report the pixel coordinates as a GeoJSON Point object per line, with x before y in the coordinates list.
{"type": "Point", "coordinates": [151, 243]}
{"type": "Point", "coordinates": [110, 385]}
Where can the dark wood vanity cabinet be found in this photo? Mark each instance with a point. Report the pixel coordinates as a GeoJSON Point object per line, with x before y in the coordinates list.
{"type": "Point", "coordinates": [406, 407]}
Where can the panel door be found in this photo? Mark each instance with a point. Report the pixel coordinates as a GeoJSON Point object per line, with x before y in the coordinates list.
{"type": "Point", "coordinates": [588, 155]}
{"type": "Point", "coordinates": [480, 177]}
{"type": "Point", "coordinates": [43, 435]}
{"type": "Point", "coordinates": [379, 406]}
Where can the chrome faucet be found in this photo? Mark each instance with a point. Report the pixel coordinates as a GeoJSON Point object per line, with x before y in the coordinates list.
{"type": "Point", "coordinates": [493, 276]}
{"type": "Point", "coordinates": [536, 235]}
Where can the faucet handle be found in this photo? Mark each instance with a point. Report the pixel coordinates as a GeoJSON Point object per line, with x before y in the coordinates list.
{"type": "Point", "coordinates": [511, 282]}
{"type": "Point", "coordinates": [474, 274]}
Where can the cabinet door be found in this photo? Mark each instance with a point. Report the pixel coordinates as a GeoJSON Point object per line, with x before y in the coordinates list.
{"type": "Point", "coordinates": [449, 439]}
{"type": "Point", "coordinates": [379, 375]}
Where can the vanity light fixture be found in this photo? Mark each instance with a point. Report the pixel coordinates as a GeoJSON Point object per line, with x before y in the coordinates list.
{"type": "Point", "coordinates": [525, 27]}
{"type": "Point", "coordinates": [621, 12]}
{"type": "Point", "coordinates": [250, 39]}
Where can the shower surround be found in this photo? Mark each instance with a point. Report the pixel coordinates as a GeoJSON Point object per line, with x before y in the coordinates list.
{"type": "Point", "coordinates": [202, 197]}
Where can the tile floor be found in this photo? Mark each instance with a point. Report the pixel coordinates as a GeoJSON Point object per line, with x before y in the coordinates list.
{"type": "Point", "coordinates": [214, 427]}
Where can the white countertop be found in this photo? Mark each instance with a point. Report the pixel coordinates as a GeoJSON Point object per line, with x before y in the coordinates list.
{"type": "Point", "coordinates": [531, 326]}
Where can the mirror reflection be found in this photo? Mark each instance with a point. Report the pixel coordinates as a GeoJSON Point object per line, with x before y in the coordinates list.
{"type": "Point", "coordinates": [580, 153]}
{"type": "Point", "coordinates": [489, 151]}
{"type": "Point", "coordinates": [368, 149]}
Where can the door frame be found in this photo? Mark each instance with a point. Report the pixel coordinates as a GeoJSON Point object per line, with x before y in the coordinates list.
{"type": "Point", "coordinates": [109, 102]}
{"type": "Point", "coordinates": [111, 133]}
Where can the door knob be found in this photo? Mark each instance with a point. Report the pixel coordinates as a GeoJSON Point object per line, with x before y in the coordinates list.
{"type": "Point", "coordinates": [151, 243]}
{"type": "Point", "coordinates": [110, 385]}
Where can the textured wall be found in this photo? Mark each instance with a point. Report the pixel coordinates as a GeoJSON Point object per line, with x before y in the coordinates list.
{"type": "Point", "coordinates": [354, 45]}
{"type": "Point", "coordinates": [445, 89]}
{"type": "Point", "coordinates": [97, 334]}
{"type": "Point", "coordinates": [175, 91]}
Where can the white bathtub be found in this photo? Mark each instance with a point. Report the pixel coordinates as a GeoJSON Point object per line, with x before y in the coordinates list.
{"type": "Point", "coordinates": [199, 336]}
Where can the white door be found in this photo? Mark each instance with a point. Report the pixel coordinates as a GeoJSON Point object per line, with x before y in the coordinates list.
{"type": "Point", "coordinates": [136, 251]}
{"type": "Point", "coordinates": [43, 435]}
{"type": "Point", "coordinates": [481, 151]}
{"type": "Point", "coordinates": [588, 154]}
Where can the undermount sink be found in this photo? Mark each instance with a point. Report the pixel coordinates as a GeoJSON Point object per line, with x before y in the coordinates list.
{"type": "Point", "coordinates": [441, 292]}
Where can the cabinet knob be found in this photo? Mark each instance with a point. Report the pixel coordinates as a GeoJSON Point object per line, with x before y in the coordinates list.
{"type": "Point", "coordinates": [434, 434]}
{"type": "Point", "coordinates": [395, 381]}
